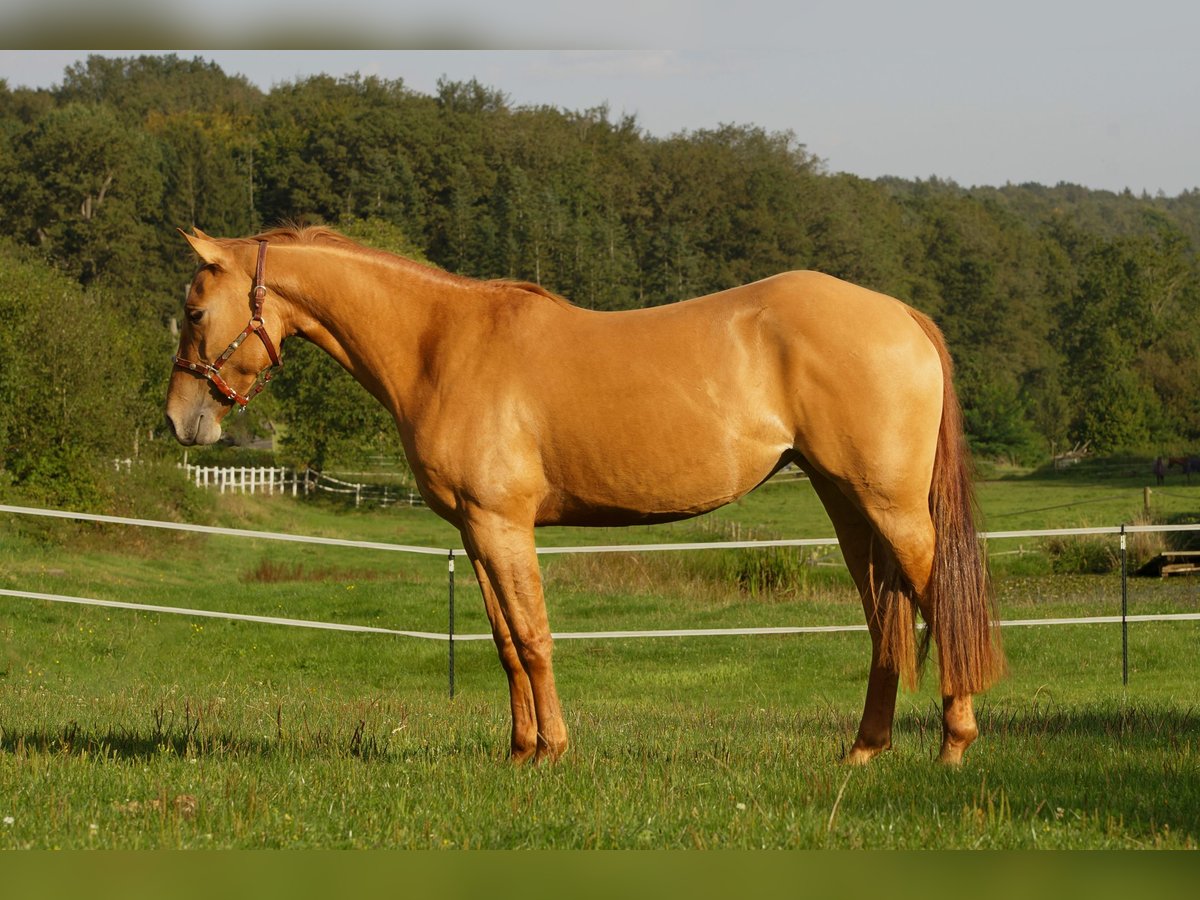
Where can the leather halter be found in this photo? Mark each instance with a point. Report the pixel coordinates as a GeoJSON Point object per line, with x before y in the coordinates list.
{"type": "Point", "coordinates": [212, 371]}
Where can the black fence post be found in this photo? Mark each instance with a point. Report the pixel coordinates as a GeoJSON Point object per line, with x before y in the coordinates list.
{"type": "Point", "coordinates": [1124, 611]}
{"type": "Point", "coordinates": [450, 633]}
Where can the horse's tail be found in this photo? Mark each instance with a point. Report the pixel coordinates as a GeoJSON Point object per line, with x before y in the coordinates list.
{"type": "Point", "coordinates": [959, 594]}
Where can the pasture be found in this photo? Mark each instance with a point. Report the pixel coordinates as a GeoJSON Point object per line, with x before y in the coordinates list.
{"type": "Point", "coordinates": [123, 729]}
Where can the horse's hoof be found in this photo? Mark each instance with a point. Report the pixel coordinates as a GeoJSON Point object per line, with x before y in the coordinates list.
{"type": "Point", "coordinates": [549, 753]}
{"type": "Point", "coordinates": [951, 755]}
{"type": "Point", "coordinates": [861, 755]}
{"type": "Point", "coordinates": [519, 757]}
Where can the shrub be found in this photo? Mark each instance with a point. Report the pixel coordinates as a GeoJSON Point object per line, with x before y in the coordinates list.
{"type": "Point", "coordinates": [1078, 555]}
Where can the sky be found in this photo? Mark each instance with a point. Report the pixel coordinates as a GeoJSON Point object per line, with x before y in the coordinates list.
{"type": "Point", "coordinates": [1103, 94]}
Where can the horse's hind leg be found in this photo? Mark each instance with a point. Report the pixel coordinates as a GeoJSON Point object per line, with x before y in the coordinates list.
{"type": "Point", "coordinates": [912, 541]}
{"type": "Point", "coordinates": [959, 728]}
{"type": "Point", "coordinates": [890, 555]}
{"type": "Point", "coordinates": [908, 533]}
{"type": "Point", "coordinates": [524, 721]}
{"type": "Point", "coordinates": [855, 534]}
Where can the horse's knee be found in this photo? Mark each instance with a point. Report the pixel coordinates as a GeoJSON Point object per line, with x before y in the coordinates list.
{"type": "Point", "coordinates": [536, 653]}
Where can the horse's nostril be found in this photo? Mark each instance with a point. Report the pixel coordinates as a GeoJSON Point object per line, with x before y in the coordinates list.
{"type": "Point", "coordinates": [186, 438]}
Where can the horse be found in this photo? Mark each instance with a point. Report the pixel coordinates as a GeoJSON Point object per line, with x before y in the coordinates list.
{"type": "Point", "coordinates": [517, 409]}
{"type": "Point", "coordinates": [1187, 465]}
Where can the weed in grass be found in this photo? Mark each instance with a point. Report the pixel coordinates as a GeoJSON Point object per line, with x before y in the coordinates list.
{"type": "Point", "coordinates": [766, 572]}
{"type": "Point", "coordinates": [1075, 555]}
{"type": "Point", "coordinates": [710, 578]}
{"type": "Point", "coordinates": [1085, 555]}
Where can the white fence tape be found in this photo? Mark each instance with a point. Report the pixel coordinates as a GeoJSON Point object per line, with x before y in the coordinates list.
{"type": "Point", "coordinates": [544, 551]}
{"type": "Point", "coordinates": [212, 529]}
{"type": "Point", "coordinates": [236, 617]}
{"type": "Point", "coordinates": [610, 548]}
{"type": "Point", "coordinates": [558, 635]}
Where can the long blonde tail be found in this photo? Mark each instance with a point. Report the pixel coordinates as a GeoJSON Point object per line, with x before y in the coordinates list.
{"type": "Point", "coordinates": [959, 594]}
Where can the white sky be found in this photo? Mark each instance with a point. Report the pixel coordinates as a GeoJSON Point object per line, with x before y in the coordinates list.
{"type": "Point", "coordinates": [1099, 93]}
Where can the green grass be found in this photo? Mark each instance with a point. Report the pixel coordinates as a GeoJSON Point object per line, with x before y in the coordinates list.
{"type": "Point", "coordinates": [124, 729]}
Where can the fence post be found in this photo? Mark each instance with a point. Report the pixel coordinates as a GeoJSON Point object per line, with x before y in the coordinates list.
{"type": "Point", "coordinates": [450, 629]}
{"type": "Point", "coordinates": [1124, 612]}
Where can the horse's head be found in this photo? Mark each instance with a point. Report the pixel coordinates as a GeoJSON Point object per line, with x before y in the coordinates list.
{"type": "Point", "coordinates": [216, 367]}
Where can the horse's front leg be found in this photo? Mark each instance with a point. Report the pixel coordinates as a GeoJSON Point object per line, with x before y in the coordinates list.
{"type": "Point", "coordinates": [524, 722]}
{"type": "Point", "coordinates": [506, 553]}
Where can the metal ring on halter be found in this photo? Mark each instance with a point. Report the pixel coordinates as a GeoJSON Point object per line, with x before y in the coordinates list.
{"type": "Point", "coordinates": [212, 371]}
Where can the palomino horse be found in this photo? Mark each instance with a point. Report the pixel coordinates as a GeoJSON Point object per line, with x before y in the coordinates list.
{"type": "Point", "coordinates": [518, 409]}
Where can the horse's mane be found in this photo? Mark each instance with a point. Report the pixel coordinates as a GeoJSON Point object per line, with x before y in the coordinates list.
{"type": "Point", "coordinates": [319, 235]}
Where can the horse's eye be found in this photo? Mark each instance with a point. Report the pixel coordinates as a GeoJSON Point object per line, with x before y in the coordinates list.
{"type": "Point", "coordinates": [195, 315]}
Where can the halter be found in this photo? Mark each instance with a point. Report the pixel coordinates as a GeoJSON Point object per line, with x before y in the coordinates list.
{"type": "Point", "coordinates": [213, 371]}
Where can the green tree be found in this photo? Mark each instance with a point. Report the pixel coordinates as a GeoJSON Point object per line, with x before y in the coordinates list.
{"type": "Point", "coordinates": [141, 86]}
{"type": "Point", "coordinates": [334, 149]}
{"type": "Point", "coordinates": [559, 213]}
{"type": "Point", "coordinates": [1125, 327]}
{"type": "Point", "coordinates": [861, 232]}
{"type": "Point", "coordinates": [88, 190]}
{"type": "Point", "coordinates": [724, 207]}
{"type": "Point", "coordinates": [71, 394]}
{"type": "Point", "coordinates": [997, 421]}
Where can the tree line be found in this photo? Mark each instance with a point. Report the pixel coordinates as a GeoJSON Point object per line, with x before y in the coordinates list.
{"type": "Point", "coordinates": [1072, 313]}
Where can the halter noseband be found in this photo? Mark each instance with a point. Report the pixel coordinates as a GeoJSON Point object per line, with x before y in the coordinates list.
{"type": "Point", "coordinates": [213, 371]}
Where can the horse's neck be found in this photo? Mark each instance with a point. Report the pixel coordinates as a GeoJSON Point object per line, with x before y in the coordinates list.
{"type": "Point", "coordinates": [371, 316]}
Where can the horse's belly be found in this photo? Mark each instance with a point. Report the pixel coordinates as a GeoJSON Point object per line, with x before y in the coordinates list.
{"type": "Point", "coordinates": [626, 487]}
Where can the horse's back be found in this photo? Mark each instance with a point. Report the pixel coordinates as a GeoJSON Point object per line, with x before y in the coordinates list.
{"type": "Point", "coordinates": [675, 410]}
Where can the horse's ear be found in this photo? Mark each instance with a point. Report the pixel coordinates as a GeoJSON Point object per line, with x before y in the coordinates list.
{"type": "Point", "coordinates": [206, 248]}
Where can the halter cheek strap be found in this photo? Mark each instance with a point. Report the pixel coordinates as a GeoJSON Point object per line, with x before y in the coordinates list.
{"type": "Point", "coordinates": [212, 371]}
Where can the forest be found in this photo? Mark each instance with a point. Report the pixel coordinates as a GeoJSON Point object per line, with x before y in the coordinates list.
{"type": "Point", "coordinates": [1072, 313]}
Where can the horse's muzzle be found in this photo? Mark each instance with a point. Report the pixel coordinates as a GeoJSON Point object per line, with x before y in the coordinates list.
{"type": "Point", "coordinates": [201, 428]}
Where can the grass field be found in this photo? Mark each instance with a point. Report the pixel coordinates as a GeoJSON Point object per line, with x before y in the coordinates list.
{"type": "Point", "coordinates": [123, 729]}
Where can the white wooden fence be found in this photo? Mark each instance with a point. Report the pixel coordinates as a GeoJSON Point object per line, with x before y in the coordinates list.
{"type": "Point", "coordinates": [246, 479]}
{"type": "Point", "coordinates": [281, 480]}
